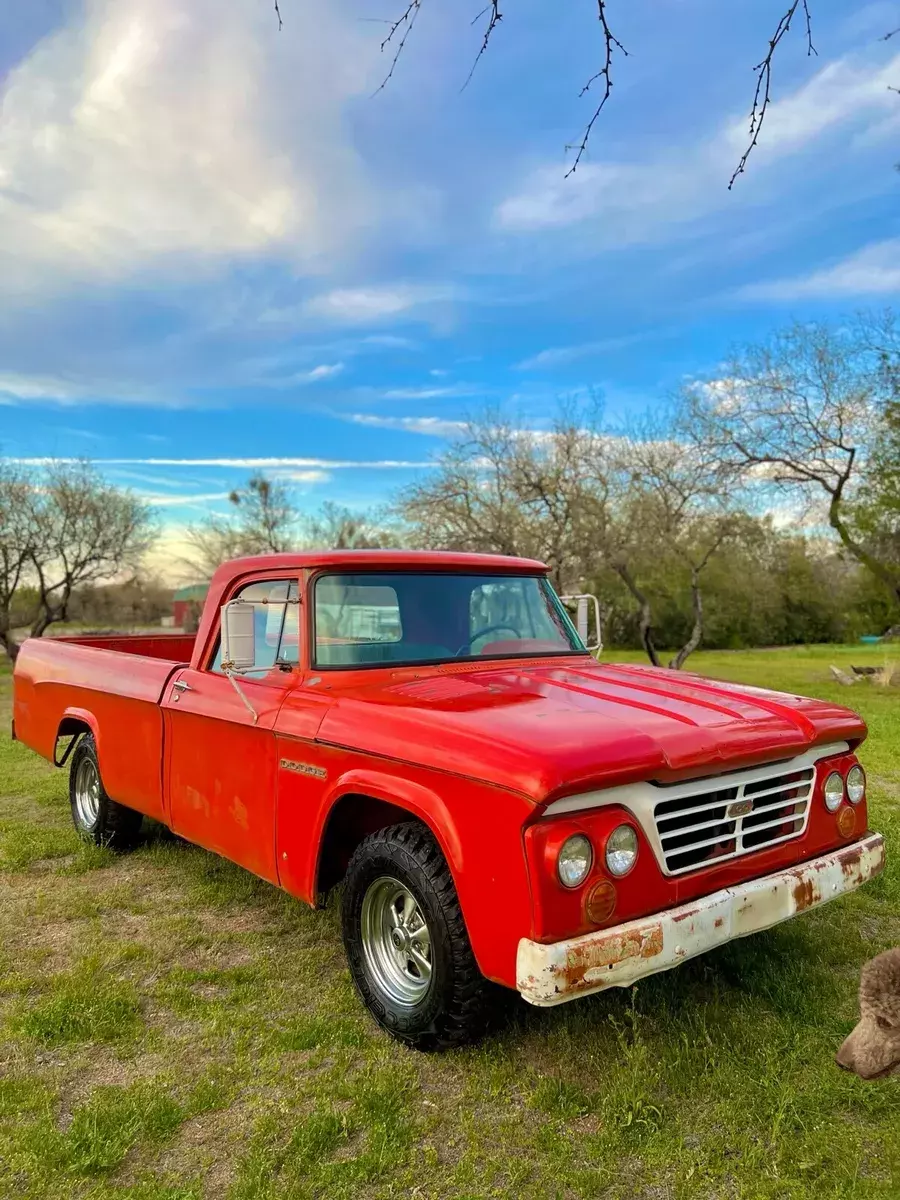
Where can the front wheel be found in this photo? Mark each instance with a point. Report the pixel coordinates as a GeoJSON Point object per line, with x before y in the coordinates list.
{"type": "Point", "coordinates": [407, 945]}
{"type": "Point", "coordinates": [97, 817]}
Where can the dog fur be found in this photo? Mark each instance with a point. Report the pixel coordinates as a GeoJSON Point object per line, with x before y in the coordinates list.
{"type": "Point", "coordinates": [872, 1050]}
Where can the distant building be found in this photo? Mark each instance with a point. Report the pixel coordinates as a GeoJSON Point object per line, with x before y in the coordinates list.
{"type": "Point", "coordinates": [185, 604]}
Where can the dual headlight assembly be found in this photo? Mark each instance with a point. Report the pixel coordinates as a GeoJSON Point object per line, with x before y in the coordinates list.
{"type": "Point", "coordinates": [837, 787]}
{"type": "Point", "coordinates": [576, 856]}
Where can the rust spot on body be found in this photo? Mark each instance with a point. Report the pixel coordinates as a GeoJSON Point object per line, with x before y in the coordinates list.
{"type": "Point", "coordinates": [617, 946]}
{"type": "Point", "coordinates": [804, 894]}
{"type": "Point", "coordinates": [691, 912]}
{"type": "Point", "coordinates": [719, 922]}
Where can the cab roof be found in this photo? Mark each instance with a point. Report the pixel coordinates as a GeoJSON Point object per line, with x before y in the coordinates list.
{"type": "Point", "coordinates": [308, 560]}
{"type": "Point", "coordinates": [441, 560]}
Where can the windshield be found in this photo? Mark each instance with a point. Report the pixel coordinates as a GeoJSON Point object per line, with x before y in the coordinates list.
{"type": "Point", "coordinates": [402, 617]}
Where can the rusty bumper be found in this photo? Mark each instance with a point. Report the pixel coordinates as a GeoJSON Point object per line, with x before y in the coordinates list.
{"type": "Point", "coordinates": [616, 957]}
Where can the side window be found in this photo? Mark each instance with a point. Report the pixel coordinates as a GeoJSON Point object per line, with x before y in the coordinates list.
{"type": "Point", "coordinates": [276, 623]}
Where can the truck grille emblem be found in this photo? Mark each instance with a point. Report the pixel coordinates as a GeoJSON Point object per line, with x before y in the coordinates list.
{"type": "Point", "coordinates": [739, 808]}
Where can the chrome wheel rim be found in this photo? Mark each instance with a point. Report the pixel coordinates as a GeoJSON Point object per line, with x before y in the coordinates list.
{"type": "Point", "coordinates": [87, 793]}
{"type": "Point", "coordinates": [396, 942]}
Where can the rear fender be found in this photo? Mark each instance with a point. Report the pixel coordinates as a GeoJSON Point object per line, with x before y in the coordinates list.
{"type": "Point", "coordinates": [73, 717]}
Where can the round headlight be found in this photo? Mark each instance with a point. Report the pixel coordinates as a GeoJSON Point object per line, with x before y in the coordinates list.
{"type": "Point", "coordinates": [834, 791]}
{"type": "Point", "coordinates": [856, 784]}
{"type": "Point", "coordinates": [621, 850]}
{"type": "Point", "coordinates": [574, 862]}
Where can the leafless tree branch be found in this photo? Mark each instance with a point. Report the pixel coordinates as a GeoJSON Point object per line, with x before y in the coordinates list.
{"type": "Point", "coordinates": [494, 18]}
{"type": "Point", "coordinates": [278, 15]}
{"type": "Point", "coordinates": [763, 69]}
{"type": "Point", "coordinates": [611, 44]}
{"type": "Point", "coordinates": [404, 23]}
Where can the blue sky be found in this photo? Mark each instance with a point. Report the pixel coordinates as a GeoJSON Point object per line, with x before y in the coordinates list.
{"type": "Point", "coordinates": [218, 250]}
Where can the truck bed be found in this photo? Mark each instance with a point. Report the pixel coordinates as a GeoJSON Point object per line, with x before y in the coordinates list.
{"type": "Point", "coordinates": [111, 686]}
{"type": "Point", "coordinates": [170, 647]}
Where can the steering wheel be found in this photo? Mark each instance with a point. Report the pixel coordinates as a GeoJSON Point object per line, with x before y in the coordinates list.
{"type": "Point", "coordinates": [481, 632]}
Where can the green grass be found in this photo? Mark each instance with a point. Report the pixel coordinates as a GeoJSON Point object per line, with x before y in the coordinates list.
{"type": "Point", "coordinates": [173, 1029]}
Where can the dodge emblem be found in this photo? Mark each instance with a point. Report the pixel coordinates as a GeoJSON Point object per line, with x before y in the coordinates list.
{"type": "Point", "coordinates": [738, 808]}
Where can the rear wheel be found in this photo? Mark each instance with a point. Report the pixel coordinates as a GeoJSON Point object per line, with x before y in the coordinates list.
{"type": "Point", "coordinates": [407, 945]}
{"type": "Point", "coordinates": [97, 817]}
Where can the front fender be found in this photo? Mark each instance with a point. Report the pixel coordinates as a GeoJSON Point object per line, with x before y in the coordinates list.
{"type": "Point", "coordinates": [421, 801]}
{"type": "Point", "coordinates": [477, 826]}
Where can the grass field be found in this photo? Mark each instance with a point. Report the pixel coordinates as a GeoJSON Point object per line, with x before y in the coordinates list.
{"type": "Point", "coordinates": [172, 1028]}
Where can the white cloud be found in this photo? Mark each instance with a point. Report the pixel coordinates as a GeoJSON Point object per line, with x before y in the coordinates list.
{"type": "Point", "coordinates": [430, 393]}
{"type": "Point", "coordinates": [366, 305]}
{"type": "Point", "coordinates": [872, 271]}
{"type": "Point", "coordinates": [21, 387]}
{"type": "Point", "coordinates": [39, 387]}
{"type": "Point", "coordinates": [162, 133]}
{"type": "Point", "coordinates": [388, 341]}
{"type": "Point", "coordinates": [166, 501]}
{"type": "Point", "coordinates": [248, 464]}
{"type": "Point", "coordinates": [636, 202]}
{"type": "Point", "coordinates": [308, 476]}
{"type": "Point", "coordinates": [326, 371]}
{"type": "Point", "coordinates": [432, 426]}
{"type": "Point", "coordinates": [295, 378]}
{"type": "Point", "coordinates": [841, 93]}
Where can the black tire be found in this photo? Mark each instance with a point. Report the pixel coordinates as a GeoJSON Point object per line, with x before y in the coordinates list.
{"type": "Point", "coordinates": [459, 1004]}
{"type": "Point", "coordinates": [97, 817]}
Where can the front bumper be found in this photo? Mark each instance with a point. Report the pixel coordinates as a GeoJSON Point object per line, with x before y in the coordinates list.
{"type": "Point", "coordinates": [617, 957]}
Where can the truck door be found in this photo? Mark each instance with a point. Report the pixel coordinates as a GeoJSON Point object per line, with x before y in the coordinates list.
{"type": "Point", "coordinates": [220, 763]}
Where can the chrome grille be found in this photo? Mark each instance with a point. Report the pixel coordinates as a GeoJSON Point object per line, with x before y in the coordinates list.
{"type": "Point", "coordinates": [718, 819]}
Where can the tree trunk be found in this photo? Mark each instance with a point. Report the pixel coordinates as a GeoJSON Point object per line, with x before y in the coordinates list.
{"type": "Point", "coordinates": [646, 620]}
{"type": "Point", "coordinates": [11, 647]}
{"type": "Point", "coordinates": [42, 623]}
{"type": "Point", "coordinates": [697, 632]}
{"type": "Point", "coordinates": [889, 578]}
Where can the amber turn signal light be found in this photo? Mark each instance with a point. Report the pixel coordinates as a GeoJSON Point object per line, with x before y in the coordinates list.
{"type": "Point", "coordinates": [600, 903]}
{"type": "Point", "coordinates": [846, 822]}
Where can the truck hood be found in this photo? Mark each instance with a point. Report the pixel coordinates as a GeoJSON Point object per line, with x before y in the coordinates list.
{"type": "Point", "coordinates": [553, 727]}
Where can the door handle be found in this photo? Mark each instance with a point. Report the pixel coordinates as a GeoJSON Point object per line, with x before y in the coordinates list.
{"type": "Point", "coordinates": [182, 686]}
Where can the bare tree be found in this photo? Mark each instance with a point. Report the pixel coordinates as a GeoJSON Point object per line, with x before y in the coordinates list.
{"type": "Point", "coordinates": [679, 504]}
{"type": "Point", "coordinates": [336, 528]}
{"type": "Point", "coordinates": [505, 490]}
{"type": "Point", "coordinates": [262, 520]}
{"type": "Point", "coordinates": [268, 519]}
{"type": "Point", "coordinates": [579, 500]}
{"type": "Point", "coordinates": [599, 86]}
{"type": "Point", "coordinates": [62, 530]}
{"type": "Point", "coordinates": [18, 541]}
{"type": "Point", "coordinates": [797, 415]}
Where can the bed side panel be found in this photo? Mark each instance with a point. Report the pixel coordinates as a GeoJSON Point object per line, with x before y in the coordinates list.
{"type": "Point", "coordinates": [116, 694]}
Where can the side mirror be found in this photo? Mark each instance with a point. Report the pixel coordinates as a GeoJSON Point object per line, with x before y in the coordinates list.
{"type": "Point", "coordinates": [238, 635]}
{"type": "Point", "coordinates": [583, 605]}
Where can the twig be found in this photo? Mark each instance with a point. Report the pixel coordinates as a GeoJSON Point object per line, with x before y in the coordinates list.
{"type": "Point", "coordinates": [611, 44]}
{"type": "Point", "coordinates": [496, 16]}
{"type": "Point", "coordinates": [891, 33]}
{"type": "Point", "coordinates": [405, 21]}
{"type": "Point", "coordinates": [278, 15]}
{"type": "Point", "coordinates": [762, 95]}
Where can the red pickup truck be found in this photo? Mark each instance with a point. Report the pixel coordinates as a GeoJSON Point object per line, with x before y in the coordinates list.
{"type": "Point", "coordinates": [429, 729]}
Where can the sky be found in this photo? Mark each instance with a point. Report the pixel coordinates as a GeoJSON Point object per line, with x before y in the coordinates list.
{"type": "Point", "coordinates": [224, 248]}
